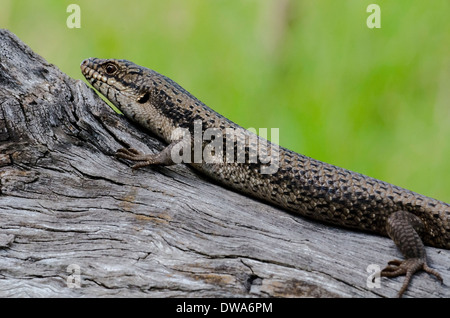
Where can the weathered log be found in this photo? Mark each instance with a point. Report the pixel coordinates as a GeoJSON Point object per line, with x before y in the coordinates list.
{"type": "Point", "coordinates": [69, 207]}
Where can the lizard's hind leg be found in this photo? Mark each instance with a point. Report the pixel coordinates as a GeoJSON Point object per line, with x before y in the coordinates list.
{"type": "Point", "coordinates": [402, 228]}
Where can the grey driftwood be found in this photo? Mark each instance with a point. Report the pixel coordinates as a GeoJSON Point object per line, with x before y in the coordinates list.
{"type": "Point", "coordinates": [69, 209]}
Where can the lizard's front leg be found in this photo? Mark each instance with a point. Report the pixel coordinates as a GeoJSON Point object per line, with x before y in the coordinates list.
{"type": "Point", "coordinates": [163, 158]}
{"type": "Point", "coordinates": [402, 228]}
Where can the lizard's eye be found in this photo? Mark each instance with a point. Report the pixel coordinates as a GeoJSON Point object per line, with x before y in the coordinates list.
{"type": "Point", "coordinates": [110, 69]}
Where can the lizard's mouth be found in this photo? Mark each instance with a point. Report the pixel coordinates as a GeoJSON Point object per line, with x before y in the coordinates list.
{"type": "Point", "coordinates": [89, 72]}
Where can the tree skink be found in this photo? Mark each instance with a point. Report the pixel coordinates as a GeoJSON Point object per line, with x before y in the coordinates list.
{"type": "Point", "coordinates": [300, 184]}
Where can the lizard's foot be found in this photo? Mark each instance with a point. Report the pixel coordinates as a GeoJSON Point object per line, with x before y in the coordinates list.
{"type": "Point", "coordinates": [408, 268]}
{"type": "Point", "coordinates": [130, 154]}
{"type": "Point", "coordinates": [162, 158]}
{"type": "Point", "coordinates": [133, 155]}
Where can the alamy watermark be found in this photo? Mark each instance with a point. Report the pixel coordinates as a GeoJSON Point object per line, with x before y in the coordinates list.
{"type": "Point", "coordinates": [374, 279]}
{"type": "Point", "coordinates": [74, 19]}
{"type": "Point", "coordinates": [374, 19]}
{"type": "Point", "coordinates": [74, 279]}
{"type": "Point", "coordinates": [227, 145]}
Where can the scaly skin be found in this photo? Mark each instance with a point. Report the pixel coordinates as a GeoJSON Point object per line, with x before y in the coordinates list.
{"type": "Point", "coordinates": [301, 184]}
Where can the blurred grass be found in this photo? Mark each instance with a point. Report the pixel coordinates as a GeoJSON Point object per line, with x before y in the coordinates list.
{"type": "Point", "coordinates": [374, 101]}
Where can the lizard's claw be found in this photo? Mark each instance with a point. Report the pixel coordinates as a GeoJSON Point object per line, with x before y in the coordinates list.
{"type": "Point", "coordinates": [408, 268]}
{"type": "Point", "coordinates": [130, 152]}
{"type": "Point", "coordinates": [162, 158]}
{"type": "Point", "coordinates": [133, 155]}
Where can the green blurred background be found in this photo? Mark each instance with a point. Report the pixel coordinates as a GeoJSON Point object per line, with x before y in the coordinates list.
{"type": "Point", "coordinates": [375, 101]}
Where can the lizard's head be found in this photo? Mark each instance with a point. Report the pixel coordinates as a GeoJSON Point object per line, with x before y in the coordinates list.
{"type": "Point", "coordinates": [121, 81]}
{"type": "Point", "coordinates": [141, 94]}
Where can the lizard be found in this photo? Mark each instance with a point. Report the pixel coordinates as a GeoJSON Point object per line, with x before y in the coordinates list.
{"type": "Point", "coordinates": [300, 184]}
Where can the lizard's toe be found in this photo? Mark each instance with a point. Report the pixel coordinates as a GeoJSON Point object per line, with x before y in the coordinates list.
{"type": "Point", "coordinates": [127, 151]}
{"type": "Point", "coordinates": [130, 154]}
{"type": "Point", "coordinates": [408, 268]}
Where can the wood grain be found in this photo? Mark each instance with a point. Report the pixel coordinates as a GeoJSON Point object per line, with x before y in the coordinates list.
{"type": "Point", "coordinates": [159, 232]}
